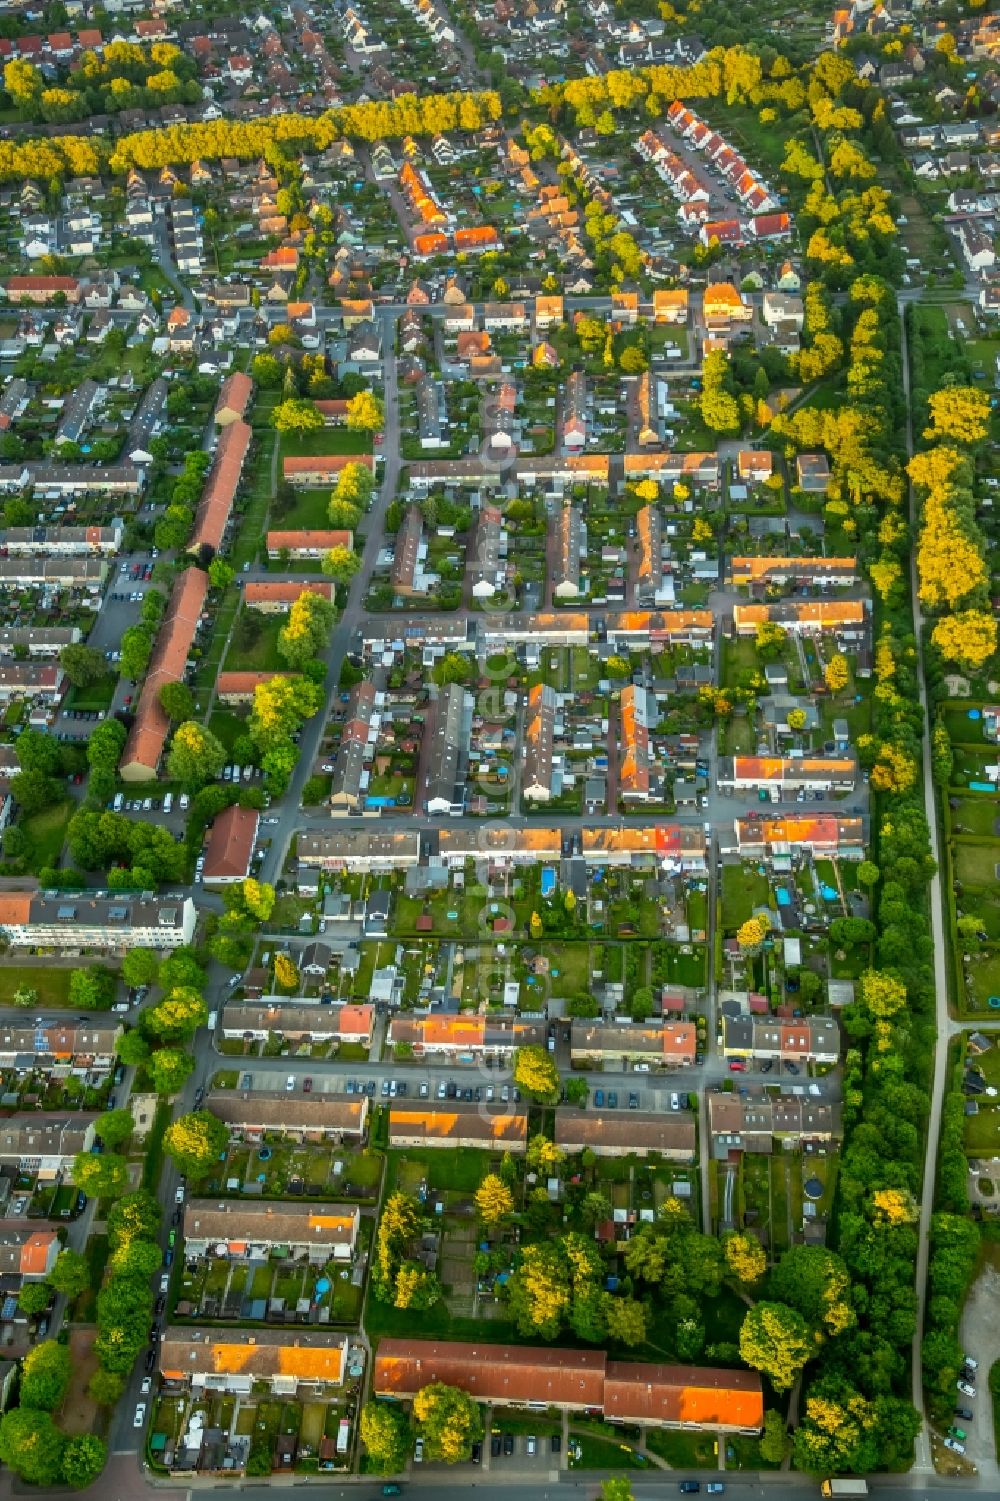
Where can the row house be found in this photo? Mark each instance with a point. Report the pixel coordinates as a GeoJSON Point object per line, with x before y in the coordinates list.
{"type": "Point", "coordinates": [313, 1232]}
{"type": "Point", "coordinates": [670, 1045]}
{"type": "Point", "coordinates": [783, 776]}
{"type": "Point", "coordinates": [822, 836]}
{"type": "Point", "coordinates": [766, 1125]}
{"type": "Point", "coordinates": [763, 1039]}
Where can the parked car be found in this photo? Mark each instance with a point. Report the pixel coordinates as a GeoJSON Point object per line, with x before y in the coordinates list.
{"type": "Point", "coordinates": [689, 1487]}
{"type": "Point", "coordinates": [965, 1388]}
{"type": "Point", "coordinates": [737, 1066]}
{"type": "Point", "coordinates": [508, 1444]}
{"type": "Point", "coordinates": [140, 1415]}
{"type": "Point", "coordinates": [531, 1443]}
{"type": "Point", "coordinates": [954, 1446]}
{"type": "Point", "coordinates": [418, 1451]}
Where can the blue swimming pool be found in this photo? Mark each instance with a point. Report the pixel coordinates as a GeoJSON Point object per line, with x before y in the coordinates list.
{"type": "Point", "coordinates": [548, 880]}
{"type": "Point", "coordinates": [783, 898]}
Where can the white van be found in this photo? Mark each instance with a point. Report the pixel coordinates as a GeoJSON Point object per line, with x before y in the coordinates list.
{"type": "Point", "coordinates": [119, 802]}
{"type": "Point", "coordinates": [168, 803]}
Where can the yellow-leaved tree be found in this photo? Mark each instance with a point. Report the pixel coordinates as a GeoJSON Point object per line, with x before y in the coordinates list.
{"type": "Point", "coordinates": [969, 638]}
{"type": "Point", "coordinates": [882, 994]}
{"type": "Point", "coordinates": [961, 413]}
{"type": "Point", "coordinates": [751, 934]}
{"type": "Point", "coordinates": [494, 1200]}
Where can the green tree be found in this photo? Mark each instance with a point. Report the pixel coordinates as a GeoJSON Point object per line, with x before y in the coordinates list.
{"type": "Point", "coordinates": [136, 647]}
{"type": "Point", "coordinates": [116, 1127]}
{"type": "Point", "coordinates": [536, 1073]}
{"type": "Point", "coordinates": [196, 756]}
{"type": "Point", "coordinates": [181, 969]}
{"type": "Point", "coordinates": [178, 1016]}
{"type": "Point", "coordinates": [385, 1434]}
{"type": "Point", "coordinates": [45, 1375]}
{"type": "Point", "coordinates": [84, 1457]}
{"type": "Point", "coordinates": [170, 1068]}
{"type": "Point", "coordinates": [70, 1273]}
{"type": "Point", "coordinates": [33, 1298]}
{"type": "Point", "coordinates": [133, 1049]}
{"type": "Point", "coordinates": [194, 1142]}
{"type": "Point", "coordinates": [91, 989]}
{"type": "Point", "coordinates": [100, 1177]}
{"type": "Point", "coordinates": [774, 1438]}
{"type": "Point", "coordinates": [298, 416]}
{"type": "Point", "coordinates": [176, 701]}
{"type": "Point", "coordinates": [221, 574]}
{"type": "Point", "coordinates": [139, 967]}
{"type": "Point", "coordinates": [341, 564]}
{"type": "Point", "coordinates": [449, 1420]}
{"type": "Point", "coordinates": [774, 1339]}
{"type": "Point", "coordinates": [135, 1216]}
{"type": "Point", "coordinates": [32, 1446]}
{"type": "Point", "coordinates": [83, 665]}
{"type": "Point", "coordinates": [618, 1488]}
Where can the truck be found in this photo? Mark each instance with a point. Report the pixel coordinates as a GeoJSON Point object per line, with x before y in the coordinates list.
{"type": "Point", "coordinates": [844, 1488]}
{"type": "Point", "coordinates": [343, 1436]}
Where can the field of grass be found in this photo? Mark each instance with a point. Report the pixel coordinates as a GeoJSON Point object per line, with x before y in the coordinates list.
{"type": "Point", "coordinates": [47, 832]}
{"type": "Point", "coordinates": [51, 984]}
{"type": "Point", "coordinates": [976, 864]}
{"type": "Point", "coordinates": [743, 889]}
{"type": "Point", "coordinates": [976, 815]}
{"type": "Point", "coordinates": [324, 441]}
{"type": "Point", "coordinates": [254, 646]}
{"type": "Point", "coordinates": [310, 509]}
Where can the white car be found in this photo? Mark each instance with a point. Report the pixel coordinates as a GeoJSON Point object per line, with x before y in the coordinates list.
{"type": "Point", "coordinates": [179, 1195]}
{"type": "Point", "coordinates": [969, 1363]}
{"type": "Point", "coordinates": [965, 1388]}
{"type": "Point", "coordinates": [954, 1446]}
{"type": "Point", "coordinates": [290, 1083]}
{"type": "Point", "coordinates": [147, 1385]}
{"type": "Point", "coordinates": [140, 1415]}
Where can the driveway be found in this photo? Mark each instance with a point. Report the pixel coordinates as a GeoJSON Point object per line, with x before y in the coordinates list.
{"type": "Point", "coordinates": [978, 1332]}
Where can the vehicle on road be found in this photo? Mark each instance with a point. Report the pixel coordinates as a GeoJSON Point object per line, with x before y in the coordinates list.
{"type": "Point", "coordinates": [418, 1451]}
{"type": "Point", "coordinates": [140, 1415]}
{"type": "Point", "coordinates": [290, 1083]}
{"type": "Point", "coordinates": [689, 1487]}
{"type": "Point", "coordinates": [844, 1488]}
{"type": "Point", "coordinates": [966, 1389]}
{"type": "Point", "coordinates": [715, 1488]}
{"type": "Point", "coordinates": [965, 1413]}
{"type": "Point", "coordinates": [147, 1385]}
{"type": "Point", "coordinates": [956, 1433]}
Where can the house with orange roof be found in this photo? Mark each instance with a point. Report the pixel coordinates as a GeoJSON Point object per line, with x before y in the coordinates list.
{"type": "Point", "coordinates": [639, 777]}
{"type": "Point", "coordinates": [304, 472]}
{"type": "Point", "coordinates": [464, 1037]}
{"type": "Point", "coordinates": [664, 1045]}
{"type": "Point", "coordinates": [823, 835]}
{"type": "Point", "coordinates": [297, 1021]}
{"type": "Point", "coordinates": [168, 664]}
{"type": "Point", "coordinates": [218, 497]}
{"type": "Point", "coordinates": [549, 311]}
{"type": "Point", "coordinates": [284, 259]}
{"type": "Point", "coordinates": [477, 239]}
{"type": "Point", "coordinates": [701, 469]}
{"type": "Point", "coordinates": [234, 399]}
{"type": "Point", "coordinates": [671, 306]}
{"type": "Point", "coordinates": [754, 465]}
{"type": "Point", "coordinates": [782, 776]}
{"type": "Point", "coordinates": [670, 847]}
{"type": "Point", "coordinates": [27, 1252]}
{"type": "Point", "coordinates": [235, 688]}
{"type": "Point", "coordinates": [758, 574]}
{"type": "Point", "coordinates": [237, 1360]}
{"type": "Point", "coordinates": [457, 1123]}
{"type": "Point", "coordinates": [253, 1230]}
{"type": "Point", "coordinates": [722, 306]}
{"type": "Point", "coordinates": [645, 629]}
{"type": "Point", "coordinates": [538, 781]}
{"type": "Point", "coordinates": [277, 597]}
{"type": "Point", "coordinates": [812, 617]}
{"type": "Point", "coordinates": [697, 1398]}
{"type": "Point", "coordinates": [308, 542]}
{"type": "Point", "coordinates": [230, 847]}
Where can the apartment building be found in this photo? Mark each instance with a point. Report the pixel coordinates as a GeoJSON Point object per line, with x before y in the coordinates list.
{"type": "Point", "coordinates": [366, 851]}
{"type": "Point", "coordinates": [802, 1040]}
{"type": "Point", "coordinates": [287, 1362]}
{"type": "Point", "coordinates": [109, 922]}
{"type": "Point", "coordinates": [253, 1230]}
{"type": "Point", "coordinates": [458, 1124]}
{"type": "Point", "coordinates": [571, 548]}
{"type": "Point", "coordinates": [627, 1133]}
{"type": "Point", "coordinates": [465, 1038]}
{"type": "Point", "coordinates": [44, 1142]}
{"type": "Point", "coordinates": [257, 1021]}
{"type": "Point", "coordinates": [147, 737]}
{"type": "Point", "coordinates": [357, 741]}
{"type": "Point", "coordinates": [448, 758]}
{"type": "Point", "coordinates": [666, 1045]}
{"type": "Point", "coordinates": [746, 1123]}
{"type": "Point", "coordinates": [538, 783]}
{"type": "Point", "coordinates": [784, 776]}
{"type": "Point", "coordinates": [301, 1117]}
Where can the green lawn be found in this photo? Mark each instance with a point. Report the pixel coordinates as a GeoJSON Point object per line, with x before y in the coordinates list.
{"type": "Point", "coordinates": [254, 647]}
{"type": "Point", "coordinates": [462, 1169]}
{"type": "Point", "coordinates": [976, 864]}
{"type": "Point", "coordinates": [976, 815]}
{"type": "Point", "coordinates": [227, 726]}
{"type": "Point", "coordinates": [310, 509]}
{"type": "Point", "coordinates": [743, 889]}
{"type": "Point", "coordinates": [324, 441]}
{"type": "Point", "coordinates": [47, 832]}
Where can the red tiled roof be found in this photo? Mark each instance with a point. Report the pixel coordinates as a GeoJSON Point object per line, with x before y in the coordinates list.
{"type": "Point", "coordinates": [230, 844]}
{"type": "Point", "coordinates": [217, 499]}
{"type": "Point", "coordinates": [173, 643]}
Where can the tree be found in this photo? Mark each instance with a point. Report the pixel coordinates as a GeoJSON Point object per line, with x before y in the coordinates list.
{"type": "Point", "coordinates": [106, 743]}
{"type": "Point", "coordinates": [136, 1259]}
{"type": "Point", "coordinates": [33, 791]}
{"type": "Point", "coordinates": [625, 1320]}
{"type": "Point", "coordinates": [220, 575]}
{"type": "Point", "coordinates": [70, 1273]}
{"type": "Point", "coordinates": [751, 935]}
{"type": "Point", "coordinates": [249, 901]}
{"type": "Point", "coordinates": [883, 995]}
{"type": "Point", "coordinates": [968, 638]}
{"type": "Point", "coordinates": [25, 995]}
{"type": "Point", "coordinates": [449, 1420]}
{"type": "Point", "coordinates": [31, 1445]}
{"type": "Point", "coordinates": [45, 1375]}
{"type": "Point", "coordinates": [774, 1339]}
{"type": "Point", "coordinates": [815, 1282]}
{"type": "Point", "coordinates": [340, 564]}
{"type": "Point", "coordinates": [178, 1016]}
{"type": "Point", "coordinates": [618, 1488]}
{"type": "Point", "coordinates": [642, 1005]}
{"type": "Point", "coordinates": [307, 629]}
{"type": "Point", "coordinates": [133, 1049]}
{"type": "Point", "coordinates": [494, 1199]}
{"type": "Point", "coordinates": [135, 1216]}
{"type": "Point", "coordinates": [116, 1127]}
{"type": "Point", "coordinates": [181, 969]}
{"type": "Point", "coordinates": [103, 1176]}
{"type": "Point", "coordinates": [770, 638]}
{"type": "Point", "coordinates": [23, 82]}
{"type": "Point", "coordinates": [139, 966]}
{"type": "Point", "coordinates": [385, 1434]}
{"type": "Point", "coordinates": [169, 1069]}
{"type": "Point", "coordinates": [836, 673]}
{"type": "Point", "coordinates": [193, 1142]}
{"type": "Point", "coordinates": [105, 1387]}
{"type": "Point", "coordinates": [286, 974]}
{"type": "Point", "coordinates": [176, 701]}
{"type": "Point", "coordinates": [297, 415]}
{"type": "Point", "coordinates": [33, 1298]}
{"type": "Point", "coordinates": [536, 1073]}
{"type": "Point", "coordinates": [196, 755]}
{"type": "Point", "coordinates": [84, 1458]}
{"type": "Point", "coordinates": [959, 413]}
{"type": "Point", "coordinates": [633, 360]}
{"type": "Point", "coordinates": [745, 1257]}
{"type": "Point", "coordinates": [91, 989]}
{"type": "Point", "coordinates": [136, 649]}
{"type": "Point", "coordinates": [774, 1438]}
{"type": "Point", "coordinates": [365, 413]}
{"type": "Point", "coordinates": [83, 665]}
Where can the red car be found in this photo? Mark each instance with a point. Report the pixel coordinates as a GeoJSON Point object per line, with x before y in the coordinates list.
{"type": "Point", "coordinates": [307, 1085]}
{"type": "Point", "coordinates": [737, 1067]}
